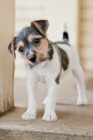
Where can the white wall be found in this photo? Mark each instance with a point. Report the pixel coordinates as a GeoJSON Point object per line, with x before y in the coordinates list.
{"type": "Point", "coordinates": [53, 10]}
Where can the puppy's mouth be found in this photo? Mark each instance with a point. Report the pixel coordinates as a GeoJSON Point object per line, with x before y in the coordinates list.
{"type": "Point", "coordinates": [38, 58]}
{"type": "Point", "coordinates": [37, 62]}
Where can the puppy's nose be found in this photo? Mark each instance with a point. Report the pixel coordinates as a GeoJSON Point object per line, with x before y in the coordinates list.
{"type": "Point", "coordinates": [32, 58]}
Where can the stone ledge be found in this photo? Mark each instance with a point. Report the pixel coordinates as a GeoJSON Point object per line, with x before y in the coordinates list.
{"type": "Point", "coordinates": [74, 124]}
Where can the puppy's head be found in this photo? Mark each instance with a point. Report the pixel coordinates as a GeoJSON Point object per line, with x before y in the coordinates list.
{"type": "Point", "coordinates": [32, 43]}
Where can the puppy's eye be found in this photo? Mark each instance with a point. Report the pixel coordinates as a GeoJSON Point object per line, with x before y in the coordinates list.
{"type": "Point", "coordinates": [21, 49]}
{"type": "Point", "coordinates": [36, 40]}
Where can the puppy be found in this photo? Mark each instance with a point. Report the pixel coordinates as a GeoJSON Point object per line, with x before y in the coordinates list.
{"type": "Point", "coordinates": [47, 61]}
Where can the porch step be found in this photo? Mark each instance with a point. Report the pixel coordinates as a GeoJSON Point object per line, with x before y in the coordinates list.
{"type": "Point", "coordinates": [74, 123]}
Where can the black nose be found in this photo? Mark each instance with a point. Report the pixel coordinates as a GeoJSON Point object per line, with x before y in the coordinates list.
{"type": "Point", "coordinates": [32, 58]}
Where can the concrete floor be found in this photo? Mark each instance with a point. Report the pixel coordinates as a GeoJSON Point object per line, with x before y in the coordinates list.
{"type": "Point", "coordinates": [67, 94]}
{"type": "Point", "coordinates": [74, 122]}
{"type": "Point", "coordinates": [69, 113]}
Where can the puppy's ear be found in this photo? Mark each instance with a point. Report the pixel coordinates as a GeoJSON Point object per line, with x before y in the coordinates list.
{"type": "Point", "coordinates": [12, 47]}
{"type": "Point", "coordinates": [41, 25]}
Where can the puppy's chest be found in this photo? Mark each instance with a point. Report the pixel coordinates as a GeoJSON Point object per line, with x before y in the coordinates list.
{"type": "Point", "coordinates": [42, 76]}
{"type": "Point", "coordinates": [42, 79]}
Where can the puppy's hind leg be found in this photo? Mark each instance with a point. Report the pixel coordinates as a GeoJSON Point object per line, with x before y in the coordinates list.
{"type": "Point", "coordinates": [78, 73]}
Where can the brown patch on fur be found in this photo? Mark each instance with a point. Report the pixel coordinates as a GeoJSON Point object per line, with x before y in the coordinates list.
{"type": "Point", "coordinates": [57, 79]}
{"type": "Point", "coordinates": [64, 59]}
{"type": "Point", "coordinates": [51, 51]}
{"type": "Point", "coordinates": [42, 50]}
{"type": "Point", "coordinates": [38, 26]}
{"type": "Point", "coordinates": [32, 37]}
{"type": "Point", "coordinates": [20, 44]}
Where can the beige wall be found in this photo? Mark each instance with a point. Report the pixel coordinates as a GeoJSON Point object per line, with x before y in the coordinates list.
{"type": "Point", "coordinates": [56, 12]}
{"type": "Point", "coordinates": [6, 62]}
{"type": "Point", "coordinates": [53, 10]}
{"type": "Point", "coordinates": [86, 34]}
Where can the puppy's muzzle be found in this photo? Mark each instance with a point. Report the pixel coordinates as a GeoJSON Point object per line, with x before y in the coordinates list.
{"type": "Point", "coordinates": [32, 58]}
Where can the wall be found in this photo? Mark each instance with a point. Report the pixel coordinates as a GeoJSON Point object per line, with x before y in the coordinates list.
{"type": "Point", "coordinates": [6, 61]}
{"type": "Point", "coordinates": [86, 34]}
{"type": "Point", "coordinates": [53, 10]}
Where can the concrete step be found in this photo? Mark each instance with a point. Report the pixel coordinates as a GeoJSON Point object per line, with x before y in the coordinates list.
{"type": "Point", "coordinates": [75, 123]}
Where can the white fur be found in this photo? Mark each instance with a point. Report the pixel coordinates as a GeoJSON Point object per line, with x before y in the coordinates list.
{"type": "Point", "coordinates": [48, 71]}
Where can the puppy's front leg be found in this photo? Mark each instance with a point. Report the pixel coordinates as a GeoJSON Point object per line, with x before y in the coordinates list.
{"type": "Point", "coordinates": [50, 114]}
{"type": "Point", "coordinates": [31, 88]}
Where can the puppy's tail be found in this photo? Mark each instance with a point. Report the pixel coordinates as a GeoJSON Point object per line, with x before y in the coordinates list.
{"type": "Point", "coordinates": [65, 32]}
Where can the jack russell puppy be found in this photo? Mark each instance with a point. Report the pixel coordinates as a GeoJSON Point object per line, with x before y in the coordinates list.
{"type": "Point", "coordinates": [47, 61]}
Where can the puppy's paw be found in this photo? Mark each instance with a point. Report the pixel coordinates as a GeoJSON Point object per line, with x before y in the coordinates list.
{"type": "Point", "coordinates": [28, 116]}
{"type": "Point", "coordinates": [49, 116]}
{"type": "Point", "coordinates": [82, 101]}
